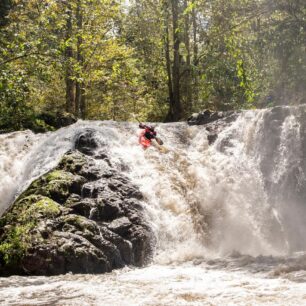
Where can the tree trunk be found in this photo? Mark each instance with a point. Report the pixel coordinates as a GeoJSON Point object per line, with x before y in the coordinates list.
{"type": "Point", "coordinates": [195, 58]}
{"type": "Point", "coordinates": [80, 99]}
{"type": "Point", "coordinates": [70, 107]}
{"type": "Point", "coordinates": [168, 63]}
{"type": "Point", "coordinates": [5, 6]}
{"type": "Point", "coordinates": [177, 109]}
{"type": "Point", "coordinates": [83, 102]}
{"type": "Point", "coordinates": [188, 92]}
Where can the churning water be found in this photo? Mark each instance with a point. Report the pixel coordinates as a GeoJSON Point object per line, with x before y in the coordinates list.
{"type": "Point", "coordinates": [229, 218]}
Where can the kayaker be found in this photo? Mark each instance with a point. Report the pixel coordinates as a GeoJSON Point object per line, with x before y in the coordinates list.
{"type": "Point", "coordinates": [147, 135]}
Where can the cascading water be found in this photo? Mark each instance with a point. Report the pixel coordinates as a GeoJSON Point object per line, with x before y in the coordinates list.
{"type": "Point", "coordinates": [212, 208]}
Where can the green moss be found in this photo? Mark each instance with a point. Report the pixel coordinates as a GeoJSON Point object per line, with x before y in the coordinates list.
{"type": "Point", "coordinates": [58, 175]}
{"type": "Point", "coordinates": [57, 189]}
{"type": "Point", "coordinates": [57, 185]}
{"type": "Point", "coordinates": [16, 242]}
{"type": "Point", "coordinates": [80, 223]}
{"type": "Point", "coordinates": [46, 207]}
{"type": "Point", "coordinates": [33, 207]}
{"type": "Point", "coordinates": [18, 209]}
{"type": "Point", "coordinates": [20, 221]}
{"type": "Point", "coordinates": [72, 162]}
{"type": "Point", "coordinates": [23, 204]}
{"type": "Point", "coordinates": [39, 202]}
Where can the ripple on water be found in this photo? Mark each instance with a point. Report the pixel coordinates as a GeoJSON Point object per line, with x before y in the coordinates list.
{"type": "Point", "coordinates": [206, 283]}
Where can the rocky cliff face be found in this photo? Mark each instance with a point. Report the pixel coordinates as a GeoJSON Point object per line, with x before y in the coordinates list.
{"type": "Point", "coordinates": [82, 217]}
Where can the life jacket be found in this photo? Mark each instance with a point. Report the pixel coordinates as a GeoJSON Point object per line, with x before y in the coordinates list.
{"type": "Point", "coordinates": [143, 140]}
{"type": "Point", "coordinates": [149, 133]}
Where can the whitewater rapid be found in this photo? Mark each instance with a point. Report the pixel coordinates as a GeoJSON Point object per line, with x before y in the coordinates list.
{"type": "Point", "coordinates": [226, 230]}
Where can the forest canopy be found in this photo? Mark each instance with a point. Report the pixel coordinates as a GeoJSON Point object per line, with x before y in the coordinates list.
{"type": "Point", "coordinates": [159, 59]}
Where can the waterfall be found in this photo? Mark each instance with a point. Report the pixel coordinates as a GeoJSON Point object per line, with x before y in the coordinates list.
{"type": "Point", "coordinates": [244, 193]}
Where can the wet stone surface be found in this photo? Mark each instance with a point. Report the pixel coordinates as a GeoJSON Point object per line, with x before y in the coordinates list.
{"type": "Point", "coordinates": [84, 216]}
{"type": "Point", "coordinates": [214, 122]}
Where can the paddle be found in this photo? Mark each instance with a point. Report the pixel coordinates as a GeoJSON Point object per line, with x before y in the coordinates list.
{"type": "Point", "coordinates": [159, 141]}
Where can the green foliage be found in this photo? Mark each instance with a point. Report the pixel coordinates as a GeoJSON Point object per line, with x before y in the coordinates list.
{"type": "Point", "coordinates": [232, 54]}
{"type": "Point", "coordinates": [14, 111]}
{"type": "Point", "coordinates": [281, 48]}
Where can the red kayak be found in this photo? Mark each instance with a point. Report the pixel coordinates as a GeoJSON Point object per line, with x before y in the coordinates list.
{"type": "Point", "coordinates": [145, 142]}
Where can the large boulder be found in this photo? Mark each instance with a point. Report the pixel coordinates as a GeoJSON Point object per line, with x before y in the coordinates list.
{"type": "Point", "coordinates": [84, 216]}
{"type": "Point", "coordinates": [207, 116]}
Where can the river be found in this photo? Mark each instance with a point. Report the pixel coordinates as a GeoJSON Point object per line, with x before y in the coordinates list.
{"type": "Point", "coordinates": [228, 218]}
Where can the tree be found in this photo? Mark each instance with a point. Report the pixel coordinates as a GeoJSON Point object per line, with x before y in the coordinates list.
{"type": "Point", "coordinates": [69, 60]}
{"type": "Point", "coordinates": [5, 6]}
{"type": "Point", "coordinates": [162, 60]}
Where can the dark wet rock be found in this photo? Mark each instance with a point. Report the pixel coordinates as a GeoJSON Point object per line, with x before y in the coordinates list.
{"type": "Point", "coordinates": [120, 226]}
{"type": "Point", "coordinates": [120, 184]}
{"type": "Point", "coordinates": [83, 208]}
{"type": "Point", "coordinates": [82, 217]}
{"type": "Point", "coordinates": [109, 207]}
{"type": "Point", "coordinates": [137, 236]}
{"type": "Point", "coordinates": [72, 199]}
{"type": "Point", "coordinates": [208, 116]}
{"type": "Point", "coordinates": [91, 173]}
{"type": "Point", "coordinates": [86, 142]}
{"type": "Point", "coordinates": [125, 247]}
{"type": "Point", "coordinates": [212, 138]}
{"type": "Point", "coordinates": [214, 122]}
{"type": "Point", "coordinates": [65, 119]}
{"type": "Point", "coordinates": [58, 120]}
{"type": "Point", "coordinates": [73, 161]}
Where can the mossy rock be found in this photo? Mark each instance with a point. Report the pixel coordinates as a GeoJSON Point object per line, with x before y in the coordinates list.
{"type": "Point", "coordinates": [41, 201]}
{"type": "Point", "coordinates": [19, 223]}
{"type": "Point", "coordinates": [54, 228]}
{"type": "Point", "coordinates": [57, 185]}
{"type": "Point", "coordinates": [80, 223]}
{"type": "Point", "coordinates": [72, 162]}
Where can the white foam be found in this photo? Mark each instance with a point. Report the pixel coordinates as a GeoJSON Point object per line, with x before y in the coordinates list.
{"type": "Point", "coordinates": [203, 203]}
